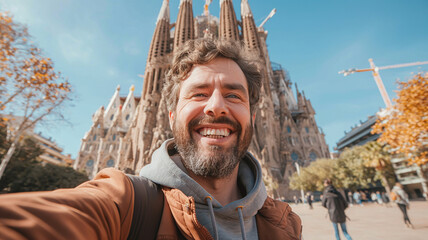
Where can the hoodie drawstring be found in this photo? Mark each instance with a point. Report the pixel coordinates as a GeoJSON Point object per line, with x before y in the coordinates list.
{"type": "Point", "coordinates": [210, 205]}
{"type": "Point", "coordinates": [241, 221]}
{"type": "Point", "coordinates": [213, 222]}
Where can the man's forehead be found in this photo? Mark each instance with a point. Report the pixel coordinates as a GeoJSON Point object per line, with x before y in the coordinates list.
{"type": "Point", "coordinates": [220, 68]}
{"type": "Point", "coordinates": [218, 65]}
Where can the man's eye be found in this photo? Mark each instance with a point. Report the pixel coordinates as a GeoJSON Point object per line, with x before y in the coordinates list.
{"type": "Point", "coordinates": [233, 96]}
{"type": "Point", "coordinates": [198, 95]}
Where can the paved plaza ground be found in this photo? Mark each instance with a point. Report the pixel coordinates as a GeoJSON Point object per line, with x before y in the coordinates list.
{"type": "Point", "coordinates": [368, 222]}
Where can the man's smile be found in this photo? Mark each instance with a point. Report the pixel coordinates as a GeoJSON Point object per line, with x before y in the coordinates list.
{"type": "Point", "coordinates": [214, 133]}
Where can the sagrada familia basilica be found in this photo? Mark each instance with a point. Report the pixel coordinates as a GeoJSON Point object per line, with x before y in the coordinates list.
{"type": "Point", "coordinates": [125, 133]}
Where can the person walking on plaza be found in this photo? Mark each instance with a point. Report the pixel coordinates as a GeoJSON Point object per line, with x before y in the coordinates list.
{"type": "Point", "coordinates": [309, 197]}
{"type": "Point", "coordinates": [399, 196]}
{"type": "Point", "coordinates": [336, 205]}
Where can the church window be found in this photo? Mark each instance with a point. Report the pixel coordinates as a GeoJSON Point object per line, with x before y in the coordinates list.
{"type": "Point", "coordinates": [90, 163]}
{"type": "Point", "coordinates": [127, 117]}
{"type": "Point", "coordinates": [307, 129]}
{"type": "Point", "coordinates": [313, 156]}
{"type": "Point", "coordinates": [111, 117]}
{"type": "Point", "coordinates": [110, 163]}
{"type": "Point", "coordinates": [289, 129]}
{"type": "Point", "coordinates": [314, 139]}
{"type": "Point", "coordinates": [306, 139]}
{"type": "Point", "coordinates": [114, 137]}
{"type": "Point", "coordinates": [294, 156]}
{"type": "Point", "coordinates": [95, 137]}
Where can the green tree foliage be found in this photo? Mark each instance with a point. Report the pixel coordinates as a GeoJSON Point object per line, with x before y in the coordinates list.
{"type": "Point", "coordinates": [378, 156]}
{"type": "Point", "coordinates": [311, 177]}
{"type": "Point", "coordinates": [357, 167]}
{"type": "Point", "coordinates": [49, 177]}
{"type": "Point", "coordinates": [352, 170]}
{"type": "Point", "coordinates": [25, 173]}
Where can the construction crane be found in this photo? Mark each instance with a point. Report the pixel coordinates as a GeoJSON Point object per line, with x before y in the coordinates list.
{"type": "Point", "coordinates": [375, 72]}
{"type": "Point", "coordinates": [268, 17]}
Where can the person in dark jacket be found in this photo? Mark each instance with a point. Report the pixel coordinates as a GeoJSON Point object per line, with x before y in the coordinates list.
{"type": "Point", "coordinates": [336, 205]}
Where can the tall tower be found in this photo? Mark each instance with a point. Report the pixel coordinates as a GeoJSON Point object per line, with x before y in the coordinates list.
{"type": "Point", "coordinates": [228, 22]}
{"type": "Point", "coordinates": [184, 29]}
{"type": "Point", "coordinates": [157, 63]}
{"type": "Point", "coordinates": [249, 29]}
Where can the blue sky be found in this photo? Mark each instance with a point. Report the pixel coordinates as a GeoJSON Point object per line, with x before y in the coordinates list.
{"type": "Point", "coordinates": [100, 44]}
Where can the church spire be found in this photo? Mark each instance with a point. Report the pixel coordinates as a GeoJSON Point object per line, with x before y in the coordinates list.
{"type": "Point", "coordinates": [228, 22]}
{"type": "Point", "coordinates": [249, 29]}
{"type": "Point", "coordinates": [184, 29]}
{"type": "Point", "coordinates": [164, 11]}
{"type": "Point", "coordinates": [159, 48]}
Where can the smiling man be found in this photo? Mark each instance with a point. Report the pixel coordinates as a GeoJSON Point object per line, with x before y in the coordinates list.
{"type": "Point", "coordinates": [212, 90]}
{"type": "Point", "coordinates": [208, 185]}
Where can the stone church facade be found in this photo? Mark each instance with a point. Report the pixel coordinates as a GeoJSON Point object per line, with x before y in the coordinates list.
{"type": "Point", "coordinates": [125, 134]}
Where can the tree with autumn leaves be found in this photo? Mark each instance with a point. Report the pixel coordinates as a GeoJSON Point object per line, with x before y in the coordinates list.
{"type": "Point", "coordinates": [29, 86]}
{"type": "Point", "coordinates": [405, 127]}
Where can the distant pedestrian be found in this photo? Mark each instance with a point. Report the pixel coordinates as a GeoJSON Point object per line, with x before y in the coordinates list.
{"type": "Point", "coordinates": [336, 205]}
{"type": "Point", "coordinates": [357, 198]}
{"type": "Point", "coordinates": [385, 199]}
{"type": "Point", "coordinates": [309, 200]}
{"type": "Point", "coordinates": [399, 196]}
{"type": "Point", "coordinates": [365, 196]}
{"type": "Point", "coordinates": [350, 198]}
{"type": "Point", "coordinates": [379, 197]}
{"type": "Point", "coordinates": [296, 199]}
{"type": "Point", "coordinates": [373, 197]}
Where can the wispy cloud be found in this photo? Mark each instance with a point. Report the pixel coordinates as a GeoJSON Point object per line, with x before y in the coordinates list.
{"type": "Point", "coordinates": [76, 46]}
{"type": "Point", "coordinates": [132, 47]}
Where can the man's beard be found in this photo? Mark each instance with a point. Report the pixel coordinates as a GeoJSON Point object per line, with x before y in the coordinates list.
{"type": "Point", "coordinates": [220, 161]}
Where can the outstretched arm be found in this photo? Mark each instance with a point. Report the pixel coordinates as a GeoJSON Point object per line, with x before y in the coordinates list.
{"type": "Point", "coordinates": [98, 209]}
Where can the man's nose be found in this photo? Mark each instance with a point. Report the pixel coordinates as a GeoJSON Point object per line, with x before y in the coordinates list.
{"type": "Point", "coordinates": [216, 105]}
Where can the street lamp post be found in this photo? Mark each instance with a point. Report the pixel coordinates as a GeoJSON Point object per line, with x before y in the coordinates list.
{"type": "Point", "coordinates": [298, 173]}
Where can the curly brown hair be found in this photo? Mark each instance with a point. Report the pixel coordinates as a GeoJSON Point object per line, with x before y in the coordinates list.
{"type": "Point", "coordinates": [202, 51]}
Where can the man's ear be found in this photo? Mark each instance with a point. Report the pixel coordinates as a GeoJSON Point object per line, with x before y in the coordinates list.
{"type": "Point", "coordinates": [171, 119]}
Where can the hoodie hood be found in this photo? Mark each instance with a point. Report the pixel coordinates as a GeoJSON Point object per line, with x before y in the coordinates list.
{"type": "Point", "coordinates": [171, 173]}
{"type": "Point", "coordinates": [330, 191]}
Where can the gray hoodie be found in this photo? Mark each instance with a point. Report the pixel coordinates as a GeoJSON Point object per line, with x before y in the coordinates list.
{"type": "Point", "coordinates": [171, 173]}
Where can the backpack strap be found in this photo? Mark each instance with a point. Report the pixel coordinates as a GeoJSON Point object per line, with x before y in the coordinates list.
{"type": "Point", "coordinates": [148, 208]}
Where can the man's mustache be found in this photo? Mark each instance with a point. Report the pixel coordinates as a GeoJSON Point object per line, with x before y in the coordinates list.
{"type": "Point", "coordinates": [212, 120]}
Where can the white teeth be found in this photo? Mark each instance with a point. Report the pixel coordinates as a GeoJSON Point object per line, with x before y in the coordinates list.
{"type": "Point", "coordinates": [226, 132]}
{"type": "Point", "coordinates": [215, 133]}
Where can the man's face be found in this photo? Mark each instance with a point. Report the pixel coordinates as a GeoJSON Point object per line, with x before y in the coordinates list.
{"type": "Point", "coordinates": [212, 122]}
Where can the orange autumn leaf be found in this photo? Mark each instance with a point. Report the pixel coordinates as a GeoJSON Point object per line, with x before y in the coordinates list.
{"type": "Point", "coordinates": [405, 127]}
